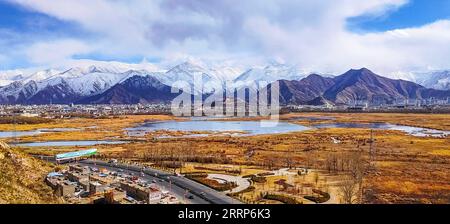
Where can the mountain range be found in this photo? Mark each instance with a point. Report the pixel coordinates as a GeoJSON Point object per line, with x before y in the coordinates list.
{"type": "Point", "coordinates": [436, 80]}
{"type": "Point", "coordinates": [364, 85]}
{"type": "Point", "coordinates": [113, 84]}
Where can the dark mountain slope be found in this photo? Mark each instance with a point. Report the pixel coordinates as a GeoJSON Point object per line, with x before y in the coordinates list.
{"type": "Point", "coordinates": [365, 85]}
{"type": "Point", "coordinates": [307, 89]}
{"type": "Point", "coordinates": [137, 89]}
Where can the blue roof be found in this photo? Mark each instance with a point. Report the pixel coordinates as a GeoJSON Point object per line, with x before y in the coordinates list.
{"type": "Point", "coordinates": [76, 154]}
{"type": "Point", "coordinates": [54, 174]}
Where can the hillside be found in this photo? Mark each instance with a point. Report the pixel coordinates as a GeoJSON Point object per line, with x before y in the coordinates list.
{"type": "Point", "coordinates": [363, 84]}
{"type": "Point", "coordinates": [22, 178]}
{"type": "Point", "coordinates": [305, 90]}
{"type": "Point", "coordinates": [107, 85]}
{"type": "Point", "coordinates": [136, 89]}
{"type": "Point", "coordinates": [353, 86]}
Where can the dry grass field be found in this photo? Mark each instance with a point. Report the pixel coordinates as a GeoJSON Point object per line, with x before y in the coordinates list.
{"type": "Point", "coordinates": [22, 178]}
{"type": "Point", "coordinates": [403, 169]}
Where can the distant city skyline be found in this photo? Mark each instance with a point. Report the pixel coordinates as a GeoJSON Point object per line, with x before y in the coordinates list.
{"type": "Point", "coordinates": [386, 36]}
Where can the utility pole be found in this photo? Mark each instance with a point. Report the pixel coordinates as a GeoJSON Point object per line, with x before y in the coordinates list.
{"type": "Point", "coordinates": [14, 128]}
{"type": "Point", "coordinates": [371, 149]}
{"type": "Point", "coordinates": [16, 112]}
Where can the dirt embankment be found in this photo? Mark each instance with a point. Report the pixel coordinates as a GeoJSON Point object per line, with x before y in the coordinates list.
{"type": "Point", "coordinates": [22, 178]}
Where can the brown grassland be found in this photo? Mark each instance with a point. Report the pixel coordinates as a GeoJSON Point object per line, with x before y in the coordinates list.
{"type": "Point", "coordinates": [403, 169]}
{"type": "Point", "coordinates": [22, 178]}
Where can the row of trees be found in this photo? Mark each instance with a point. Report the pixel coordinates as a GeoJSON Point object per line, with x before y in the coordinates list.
{"type": "Point", "coordinates": [351, 187]}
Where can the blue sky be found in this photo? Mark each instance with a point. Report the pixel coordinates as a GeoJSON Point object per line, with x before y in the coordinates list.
{"type": "Point", "coordinates": [317, 35]}
{"type": "Point", "coordinates": [20, 20]}
{"type": "Point", "coordinates": [413, 14]}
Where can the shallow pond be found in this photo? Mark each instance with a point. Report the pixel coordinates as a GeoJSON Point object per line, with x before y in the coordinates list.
{"type": "Point", "coordinates": [13, 134]}
{"type": "Point", "coordinates": [249, 128]}
{"type": "Point", "coordinates": [241, 128]}
{"type": "Point", "coordinates": [414, 131]}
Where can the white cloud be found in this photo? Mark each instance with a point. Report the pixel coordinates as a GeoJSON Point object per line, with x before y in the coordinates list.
{"type": "Point", "coordinates": [54, 52]}
{"type": "Point", "coordinates": [311, 34]}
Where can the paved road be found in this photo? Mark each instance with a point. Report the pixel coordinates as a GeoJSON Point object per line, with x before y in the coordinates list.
{"type": "Point", "coordinates": [176, 184]}
{"type": "Point", "coordinates": [161, 181]}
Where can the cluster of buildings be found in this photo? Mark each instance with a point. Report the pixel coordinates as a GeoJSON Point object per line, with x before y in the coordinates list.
{"type": "Point", "coordinates": [380, 105]}
{"type": "Point", "coordinates": [54, 111]}
{"type": "Point", "coordinates": [67, 111]}
{"type": "Point", "coordinates": [86, 185]}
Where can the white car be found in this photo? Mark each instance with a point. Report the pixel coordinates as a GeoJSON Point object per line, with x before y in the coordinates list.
{"type": "Point", "coordinates": [113, 161]}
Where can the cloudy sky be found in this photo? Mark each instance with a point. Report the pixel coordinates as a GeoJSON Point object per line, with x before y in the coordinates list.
{"type": "Point", "coordinates": [386, 36]}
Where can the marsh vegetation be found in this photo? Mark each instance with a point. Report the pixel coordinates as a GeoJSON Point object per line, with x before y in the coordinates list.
{"type": "Point", "coordinates": [352, 165]}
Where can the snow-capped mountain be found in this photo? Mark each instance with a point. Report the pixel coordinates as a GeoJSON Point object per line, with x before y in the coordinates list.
{"type": "Point", "coordinates": [407, 76]}
{"type": "Point", "coordinates": [41, 75]}
{"type": "Point", "coordinates": [268, 74]}
{"type": "Point", "coordinates": [226, 72]}
{"type": "Point", "coordinates": [436, 80]}
{"type": "Point", "coordinates": [58, 86]}
{"type": "Point", "coordinates": [8, 77]}
{"type": "Point", "coordinates": [193, 76]}
{"type": "Point", "coordinates": [90, 78]}
{"type": "Point", "coordinates": [431, 79]}
{"type": "Point", "coordinates": [136, 89]}
{"type": "Point", "coordinates": [131, 73]}
{"type": "Point", "coordinates": [94, 79]}
{"type": "Point", "coordinates": [17, 92]}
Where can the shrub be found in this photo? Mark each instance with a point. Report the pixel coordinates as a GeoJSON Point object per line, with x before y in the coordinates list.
{"type": "Point", "coordinates": [248, 189]}
{"type": "Point", "coordinates": [218, 170]}
{"type": "Point", "coordinates": [214, 184]}
{"type": "Point", "coordinates": [282, 198]}
{"type": "Point", "coordinates": [196, 175]}
{"type": "Point", "coordinates": [256, 179]}
{"type": "Point", "coordinates": [323, 196]}
{"type": "Point", "coordinates": [201, 177]}
{"type": "Point", "coordinates": [265, 174]}
{"type": "Point", "coordinates": [24, 120]}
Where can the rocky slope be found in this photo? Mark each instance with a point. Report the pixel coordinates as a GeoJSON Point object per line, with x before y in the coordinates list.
{"type": "Point", "coordinates": [137, 89]}
{"type": "Point", "coordinates": [22, 178]}
{"type": "Point", "coordinates": [365, 85]}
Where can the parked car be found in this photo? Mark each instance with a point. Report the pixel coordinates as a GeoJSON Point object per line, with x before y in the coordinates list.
{"type": "Point", "coordinates": [113, 161]}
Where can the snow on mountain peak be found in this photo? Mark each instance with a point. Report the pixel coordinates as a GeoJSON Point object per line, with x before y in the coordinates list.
{"type": "Point", "coordinates": [270, 73]}
{"type": "Point", "coordinates": [88, 78]}
{"type": "Point", "coordinates": [435, 79]}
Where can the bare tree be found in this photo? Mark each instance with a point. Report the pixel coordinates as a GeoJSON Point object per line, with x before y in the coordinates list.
{"type": "Point", "coordinates": [308, 159]}
{"type": "Point", "coordinates": [270, 162]}
{"type": "Point", "coordinates": [357, 171]}
{"type": "Point", "coordinates": [316, 178]}
{"type": "Point", "coordinates": [332, 162]}
{"type": "Point", "coordinates": [348, 190]}
{"type": "Point", "coordinates": [289, 160]}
